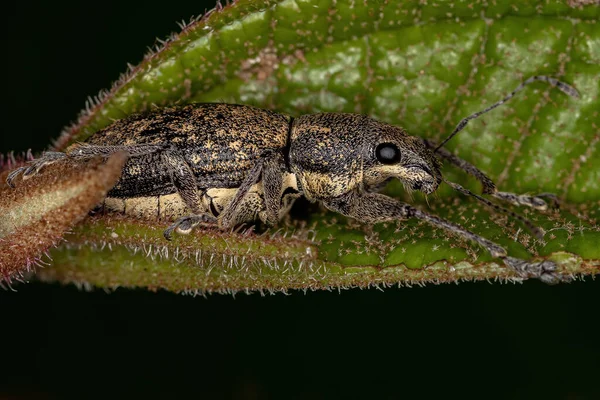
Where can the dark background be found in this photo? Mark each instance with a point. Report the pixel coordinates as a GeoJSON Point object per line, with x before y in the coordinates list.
{"type": "Point", "coordinates": [500, 341]}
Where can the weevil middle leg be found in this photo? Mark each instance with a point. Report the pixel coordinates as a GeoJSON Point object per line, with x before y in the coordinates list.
{"type": "Point", "coordinates": [269, 171]}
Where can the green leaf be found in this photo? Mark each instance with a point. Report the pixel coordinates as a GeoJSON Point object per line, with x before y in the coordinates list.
{"type": "Point", "coordinates": [419, 66]}
{"type": "Point", "coordinates": [37, 213]}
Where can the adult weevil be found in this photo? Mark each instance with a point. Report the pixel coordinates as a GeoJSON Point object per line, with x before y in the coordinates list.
{"type": "Point", "coordinates": [227, 164]}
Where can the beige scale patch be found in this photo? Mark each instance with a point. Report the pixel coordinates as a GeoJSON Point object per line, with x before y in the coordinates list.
{"type": "Point", "coordinates": [171, 206]}
{"type": "Point", "coordinates": [318, 185]}
{"type": "Point", "coordinates": [168, 207]}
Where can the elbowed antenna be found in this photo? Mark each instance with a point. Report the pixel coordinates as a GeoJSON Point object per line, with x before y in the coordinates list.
{"type": "Point", "coordinates": [563, 87]}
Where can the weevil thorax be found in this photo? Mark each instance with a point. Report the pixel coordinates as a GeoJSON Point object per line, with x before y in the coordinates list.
{"type": "Point", "coordinates": [334, 153]}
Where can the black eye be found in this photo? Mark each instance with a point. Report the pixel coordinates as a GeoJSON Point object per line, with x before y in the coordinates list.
{"type": "Point", "coordinates": [387, 153]}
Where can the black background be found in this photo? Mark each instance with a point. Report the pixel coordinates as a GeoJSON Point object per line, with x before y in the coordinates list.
{"type": "Point", "coordinates": [500, 341]}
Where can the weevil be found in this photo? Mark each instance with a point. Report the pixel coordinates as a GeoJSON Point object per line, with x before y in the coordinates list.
{"type": "Point", "coordinates": [226, 164]}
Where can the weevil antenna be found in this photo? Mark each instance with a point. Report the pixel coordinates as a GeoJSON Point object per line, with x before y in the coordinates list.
{"type": "Point", "coordinates": [563, 87]}
{"type": "Point", "coordinates": [532, 228]}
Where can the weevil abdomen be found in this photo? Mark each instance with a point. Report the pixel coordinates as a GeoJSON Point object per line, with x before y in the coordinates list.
{"type": "Point", "coordinates": [218, 143]}
{"type": "Point", "coordinates": [143, 176]}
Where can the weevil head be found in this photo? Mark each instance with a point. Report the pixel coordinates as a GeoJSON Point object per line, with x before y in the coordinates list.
{"type": "Point", "coordinates": [334, 153]}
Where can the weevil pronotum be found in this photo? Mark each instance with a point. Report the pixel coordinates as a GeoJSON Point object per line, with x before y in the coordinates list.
{"type": "Point", "coordinates": [226, 164]}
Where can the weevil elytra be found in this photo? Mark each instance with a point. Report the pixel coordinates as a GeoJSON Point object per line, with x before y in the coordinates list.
{"type": "Point", "coordinates": [227, 164]}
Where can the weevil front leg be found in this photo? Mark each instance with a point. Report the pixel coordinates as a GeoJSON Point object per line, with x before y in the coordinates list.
{"type": "Point", "coordinates": [374, 207]}
{"type": "Point", "coordinates": [489, 187]}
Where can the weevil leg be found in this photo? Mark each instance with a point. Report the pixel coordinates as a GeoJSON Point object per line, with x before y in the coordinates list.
{"type": "Point", "coordinates": [272, 180]}
{"type": "Point", "coordinates": [374, 207]}
{"type": "Point", "coordinates": [272, 168]}
{"type": "Point", "coordinates": [34, 166]}
{"type": "Point", "coordinates": [229, 217]}
{"type": "Point", "coordinates": [184, 181]}
{"type": "Point", "coordinates": [80, 151]}
{"type": "Point", "coordinates": [489, 187]}
{"type": "Point", "coordinates": [186, 224]}
{"type": "Point", "coordinates": [86, 150]}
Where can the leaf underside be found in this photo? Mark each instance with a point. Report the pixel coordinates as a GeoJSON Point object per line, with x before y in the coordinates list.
{"type": "Point", "coordinates": [419, 66]}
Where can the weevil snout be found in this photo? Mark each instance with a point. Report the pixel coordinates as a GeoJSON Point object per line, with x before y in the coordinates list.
{"type": "Point", "coordinates": [422, 178]}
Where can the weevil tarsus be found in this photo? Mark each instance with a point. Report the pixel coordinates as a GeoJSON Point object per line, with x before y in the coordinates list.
{"type": "Point", "coordinates": [536, 201]}
{"type": "Point", "coordinates": [544, 270]}
{"type": "Point", "coordinates": [185, 225]}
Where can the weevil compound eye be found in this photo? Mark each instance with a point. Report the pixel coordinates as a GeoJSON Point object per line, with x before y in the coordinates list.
{"type": "Point", "coordinates": [387, 153]}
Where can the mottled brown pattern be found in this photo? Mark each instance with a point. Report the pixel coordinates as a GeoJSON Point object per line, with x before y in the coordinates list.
{"type": "Point", "coordinates": [220, 142]}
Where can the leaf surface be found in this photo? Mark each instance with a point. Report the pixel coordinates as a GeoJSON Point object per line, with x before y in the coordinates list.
{"type": "Point", "coordinates": [41, 209]}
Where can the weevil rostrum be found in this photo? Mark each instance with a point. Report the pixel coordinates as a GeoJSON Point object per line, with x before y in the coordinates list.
{"type": "Point", "coordinates": [227, 164]}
